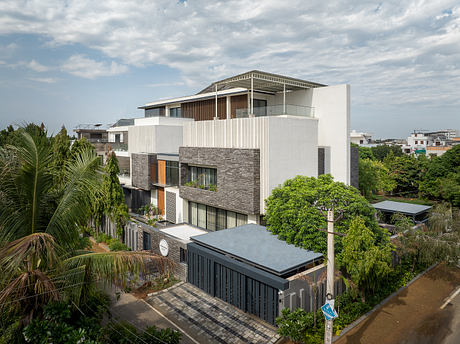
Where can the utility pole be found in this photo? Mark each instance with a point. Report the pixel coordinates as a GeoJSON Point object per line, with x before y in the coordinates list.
{"type": "Point", "coordinates": [330, 268]}
{"type": "Point", "coordinates": [330, 271]}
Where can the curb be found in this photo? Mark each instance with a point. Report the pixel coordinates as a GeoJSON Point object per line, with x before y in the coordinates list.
{"type": "Point", "coordinates": [163, 290]}
{"type": "Point", "coordinates": [380, 305]}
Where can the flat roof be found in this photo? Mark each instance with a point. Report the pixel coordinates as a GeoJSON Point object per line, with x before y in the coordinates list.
{"type": "Point", "coordinates": [255, 245]}
{"type": "Point", "coordinates": [183, 231]}
{"type": "Point", "coordinates": [401, 207]}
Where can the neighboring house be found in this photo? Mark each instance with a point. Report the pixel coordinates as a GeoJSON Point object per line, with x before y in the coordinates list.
{"type": "Point", "coordinates": [430, 143]}
{"type": "Point", "coordinates": [360, 138]}
{"type": "Point", "coordinates": [96, 134]}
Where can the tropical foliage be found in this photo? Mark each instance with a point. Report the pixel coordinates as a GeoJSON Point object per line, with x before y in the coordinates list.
{"type": "Point", "coordinates": [40, 239]}
{"type": "Point", "coordinates": [293, 211]}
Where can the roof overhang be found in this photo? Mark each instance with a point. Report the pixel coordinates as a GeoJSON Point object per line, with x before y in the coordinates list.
{"type": "Point", "coordinates": [262, 81]}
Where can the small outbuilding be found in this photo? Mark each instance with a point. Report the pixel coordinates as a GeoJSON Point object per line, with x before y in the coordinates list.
{"type": "Point", "coordinates": [246, 266]}
{"type": "Point", "coordinates": [418, 213]}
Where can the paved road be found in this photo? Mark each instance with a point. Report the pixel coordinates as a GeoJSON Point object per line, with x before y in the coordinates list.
{"type": "Point", "coordinates": [414, 316]}
{"type": "Point", "coordinates": [141, 315]}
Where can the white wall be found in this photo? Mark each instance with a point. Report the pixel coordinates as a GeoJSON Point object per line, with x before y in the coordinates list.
{"type": "Point", "coordinates": [179, 203]}
{"type": "Point", "coordinates": [161, 121]}
{"type": "Point", "coordinates": [288, 144]}
{"type": "Point", "coordinates": [154, 139]}
{"type": "Point", "coordinates": [332, 108]}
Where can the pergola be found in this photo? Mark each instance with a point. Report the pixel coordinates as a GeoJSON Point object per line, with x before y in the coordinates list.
{"type": "Point", "coordinates": [262, 82]}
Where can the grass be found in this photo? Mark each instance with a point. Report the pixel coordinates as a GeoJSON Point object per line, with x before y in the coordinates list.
{"type": "Point", "coordinates": [157, 284]}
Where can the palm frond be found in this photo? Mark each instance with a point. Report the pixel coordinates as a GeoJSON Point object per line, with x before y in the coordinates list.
{"type": "Point", "coordinates": [29, 253]}
{"type": "Point", "coordinates": [82, 179]}
{"type": "Point", "coordinates": [119, 268]}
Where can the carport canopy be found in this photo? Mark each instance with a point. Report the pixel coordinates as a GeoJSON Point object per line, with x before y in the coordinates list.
{"type": "Point", "coordinates": [256, 246]}
{"type": "Point", "coordinates": [401, 207]}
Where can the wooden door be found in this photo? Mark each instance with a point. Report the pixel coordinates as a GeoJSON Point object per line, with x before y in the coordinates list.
{"type": "Point", "coordinates": [161, 201]}
{"type": "Point", "coordinates": [161, 172]}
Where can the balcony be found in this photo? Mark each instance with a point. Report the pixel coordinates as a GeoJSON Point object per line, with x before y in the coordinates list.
{"type": "Point", "coordinates": [277, 110]}
{"type": "Point", "coordinates": [118, 146]}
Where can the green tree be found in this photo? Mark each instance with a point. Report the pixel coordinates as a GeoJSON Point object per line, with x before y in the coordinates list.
{"type": "Point", "coordinates": [365, 153]}
{"type": "Point", "coordinates": [61, 154]}
{"type": "Point", "coordinates": [115, 206]}
{"type": "Point", "coordinates": [365, 259]}
{"type": "Point", "coordinates": [79, 146]}
{"type": "Point", "coordinates": [407, 171]}
{"type": "Point", "coordinates": [39, 236]}
{"type": "Point", "coordinates": [374, 177]}
{"type": "Point", "coordinates": [292, 210]}
{"type": "Point", "coordinates": [5, 135]}
{"type": "Point", "coordinates": [381, 151]}
{"type": "Point", "coordinates": [442, 178]}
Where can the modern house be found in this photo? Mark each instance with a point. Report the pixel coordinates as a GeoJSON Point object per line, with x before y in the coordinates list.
{"type": "Point", "coordinates": [211, 159]}
{"type": "Point", "coordinates": [360, 138]}
{"type": "Point", "coordinates": [430, 143]}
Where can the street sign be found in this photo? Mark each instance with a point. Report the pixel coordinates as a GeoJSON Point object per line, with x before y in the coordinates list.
{"type": "Point", "coordinates": [328, 310]}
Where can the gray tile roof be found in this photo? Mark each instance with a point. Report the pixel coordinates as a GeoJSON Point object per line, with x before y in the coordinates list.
{"type": "Point", "coordinates": [257, 246]}
{"type": "Point", "coordinates": [401, 207]}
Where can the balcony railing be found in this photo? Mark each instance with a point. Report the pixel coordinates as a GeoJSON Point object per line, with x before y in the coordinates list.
{"type": "Point", "coordinates": [277, 110]}
{"type": "Point", "coordinates": [118, 146]}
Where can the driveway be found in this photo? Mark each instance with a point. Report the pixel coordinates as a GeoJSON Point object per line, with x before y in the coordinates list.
{"type": "Point", "coordinates": [414, 316]}
{"type": "Point", "coordinates": [208, 319]}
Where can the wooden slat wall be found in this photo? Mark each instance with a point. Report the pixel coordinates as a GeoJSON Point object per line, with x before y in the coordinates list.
{"type": "Point", "coordinates": [205, 109]}
{"type": "Point", "coordinates": [238, 102]}
{"type": "Point", "coordinates": [161, 172]}
{"type": "Point", "coordinates": [161, 201]}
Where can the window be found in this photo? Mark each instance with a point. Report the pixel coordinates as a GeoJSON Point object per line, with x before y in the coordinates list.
{"type": "Point", "coordinates": [212, 218]}
{"type": "Point", "coordinates": [183, 255]}
{"type": "Point", "coordinates": [361, 142]}
{"type": "Point", "coordinates": [416, 142]}
{"type": "Point", "coordinates": [175, 112]}
{"type": "Point", "coordinates": [421, 142]}
{"type": "Point", "coordinates": [260, 107]}
{"type": "Point", "coordinates": [146, 241]}
{"type": "Point", "coordinates": [202, 176]}
{"type": "Point", "coordinates": [172, 172]}
{"type": "Point", "coordinates": [155, 112]}
{"type": "Point", "coordinates": [117, 137]}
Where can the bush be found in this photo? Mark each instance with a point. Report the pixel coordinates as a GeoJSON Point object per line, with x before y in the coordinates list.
{"type": "Point", "coordinates": [117, 245]}
{"type": "Point", "coordinates": [125, 333]}
{"type": "Point", "coordinates": [298, 326]}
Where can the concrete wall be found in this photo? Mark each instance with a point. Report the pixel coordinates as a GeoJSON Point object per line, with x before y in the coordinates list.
{"type": "Point", "coordinates": [154, 139]}
{"type": "Point", "coordinates": [288, 145]}
{"type": "Point", "coordinates": [238, 177]}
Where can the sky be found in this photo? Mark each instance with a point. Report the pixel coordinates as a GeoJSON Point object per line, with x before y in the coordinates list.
{"type": "Point", "coordinates": [72, 62]}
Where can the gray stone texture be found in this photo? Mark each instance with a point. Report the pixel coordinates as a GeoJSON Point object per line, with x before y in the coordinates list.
{"type": "Point", "coordinates": [354, 167]}
{"type": "Point", "coordinates": [171, 207]}
{"type": "Point", "coordinates": [175, 244]}
{"type": "Point", "coordinates": [141, 169]}
{"type": "Point", "coordinates": [238, 177]}
{"type": "Point", "coordinates": [321, 168]}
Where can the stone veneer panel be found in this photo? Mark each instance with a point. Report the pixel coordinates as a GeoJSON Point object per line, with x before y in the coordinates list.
{"type": "Point", "coordinates": [141, 169]}
{"type": "Point", "coordinates": [354, 167]}
{"type": "Point", "coordinates": [238, 177]}
{"type": "Point", "coordinates": [174, 244]}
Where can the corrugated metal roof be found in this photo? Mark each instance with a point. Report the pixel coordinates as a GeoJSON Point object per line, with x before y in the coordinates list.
{"type": "Point", "coordinates": [257, 246]}
{"type": "Point", "coordinates": [401, 207]}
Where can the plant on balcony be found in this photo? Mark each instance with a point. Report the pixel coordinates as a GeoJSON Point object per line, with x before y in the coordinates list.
{"type": "Point", "coordinates": [213, 187]}
{"type": "Point", "coordinates": [192, 184]}
{"type": "Point", "coordinates": [202, 186]}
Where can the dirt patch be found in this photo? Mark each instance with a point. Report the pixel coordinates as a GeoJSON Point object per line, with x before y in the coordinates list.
{"type": "Point", "coordinates": [409, 316]}
{"type": "Point", "coordinates": [95, 247]}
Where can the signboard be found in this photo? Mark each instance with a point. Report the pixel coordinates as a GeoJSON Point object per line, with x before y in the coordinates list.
{"type": "Point", "coordinates": [328, 310]}
{"type": "Point", "coordinates": [164, 247]}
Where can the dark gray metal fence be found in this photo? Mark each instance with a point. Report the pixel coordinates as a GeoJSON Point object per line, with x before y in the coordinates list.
{"type": "Point", "coordinates": [248, 288]}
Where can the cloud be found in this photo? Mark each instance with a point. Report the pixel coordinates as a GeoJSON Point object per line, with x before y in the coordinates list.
{"type": "Point", "coordinates": [84, 67]}
{"type": "Point", "coordinates": [165, 84]}
{"type": "Point", "coordinates": [45, 80]}
{"type": "Point", "coordinates": [37, 67]}
{"type": "Point", "coordinates": [394, 52]}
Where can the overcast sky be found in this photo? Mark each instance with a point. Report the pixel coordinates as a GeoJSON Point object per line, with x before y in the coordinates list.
{"type": "Point", "coordinates": [71, 62]}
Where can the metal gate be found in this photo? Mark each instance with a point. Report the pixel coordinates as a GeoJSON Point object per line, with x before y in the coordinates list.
{"type": "Point", "coordinates": [248, 288]}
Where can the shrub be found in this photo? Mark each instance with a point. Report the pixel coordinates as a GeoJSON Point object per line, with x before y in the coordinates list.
{"type": "Point", "coordinates": [117, 245]}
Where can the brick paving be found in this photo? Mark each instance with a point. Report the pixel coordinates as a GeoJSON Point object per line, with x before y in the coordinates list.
{"type": "Point", "coordinates": [209, 319]}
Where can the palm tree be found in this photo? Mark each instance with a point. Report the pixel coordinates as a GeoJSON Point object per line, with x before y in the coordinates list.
{"type": "Point", "coordinates": [39, 231]}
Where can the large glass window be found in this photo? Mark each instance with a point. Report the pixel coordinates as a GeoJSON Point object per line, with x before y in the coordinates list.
{"type": "Point", "coordinates": [172, 172]}
{"type": "Point", "coordinates": [193, 216]}
{"type": "Point", "coordinates": [202, 215]}
{"type": "Point", "coordinates": [175, 112]}
{"type": "Point", "coordinates": [212, 218]}
{"type": "Point", "coordinates": [155, 112]}
{"type": "Point", "coordinates": [146, 241]}
{"type": "Point", "coordinates": [203, 177]}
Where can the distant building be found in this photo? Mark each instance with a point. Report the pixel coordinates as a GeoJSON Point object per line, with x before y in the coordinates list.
{"type": "Point", "coordinates": [360, 138]}
{"type": "Point", "coordinates": [426, 142]}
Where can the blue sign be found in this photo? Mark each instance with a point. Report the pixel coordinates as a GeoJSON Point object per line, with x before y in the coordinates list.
{"type": "Point", "coordinates": [328, 310]}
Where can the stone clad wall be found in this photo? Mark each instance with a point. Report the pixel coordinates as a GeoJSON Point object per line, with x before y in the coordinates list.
{"type": "Point", "coordinates": [238, 177]}
{"type": "Point", "coordinates": [141, 169]}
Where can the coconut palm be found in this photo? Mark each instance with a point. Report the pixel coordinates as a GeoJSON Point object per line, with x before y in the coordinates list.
{"type": "Point", "coordinates": [39, 230]}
